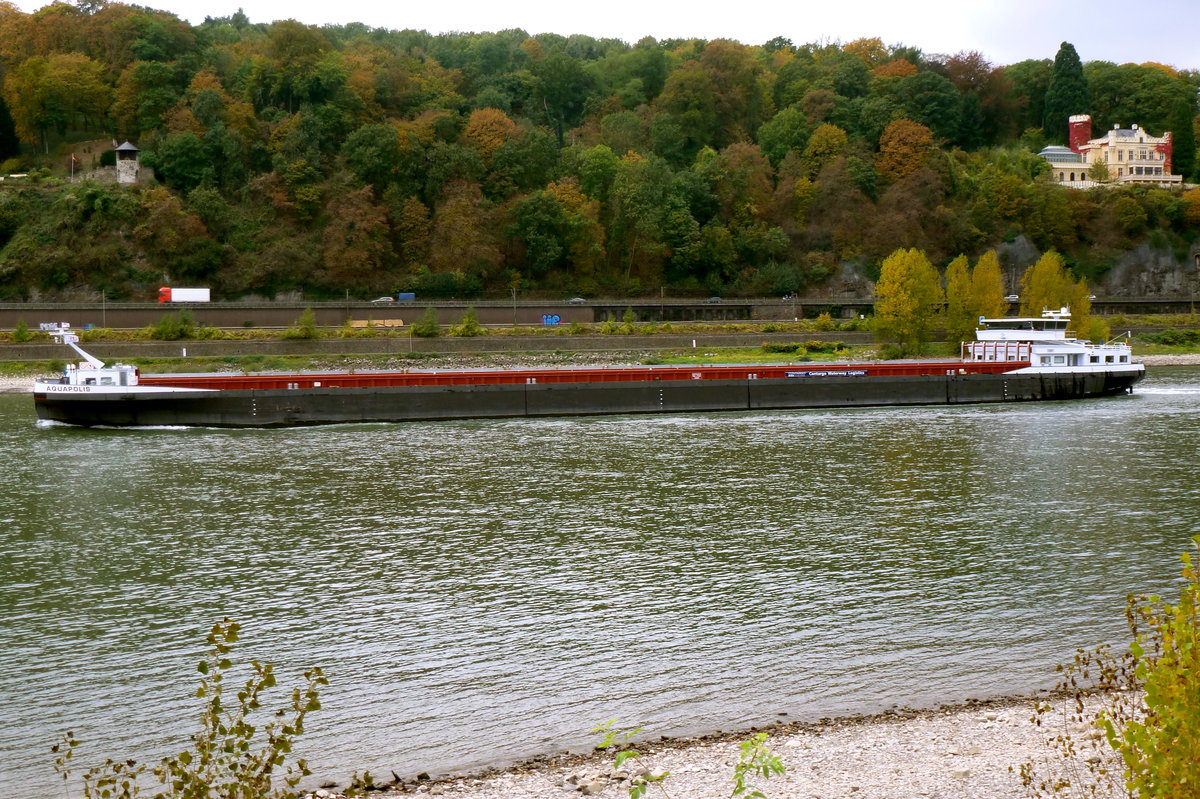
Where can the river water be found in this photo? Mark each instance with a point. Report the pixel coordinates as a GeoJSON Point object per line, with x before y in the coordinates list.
{"type": "Point", "coordinates": [481, 591]}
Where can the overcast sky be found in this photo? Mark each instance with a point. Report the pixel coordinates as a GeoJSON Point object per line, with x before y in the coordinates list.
{"type": "Point", "coordinates": [1004, 31]}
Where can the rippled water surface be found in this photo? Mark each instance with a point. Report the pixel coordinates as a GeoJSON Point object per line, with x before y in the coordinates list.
{"type": "Point", "coordinates": [482, 591]}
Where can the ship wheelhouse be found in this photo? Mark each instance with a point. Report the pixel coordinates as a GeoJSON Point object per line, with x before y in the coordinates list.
{"type": "Point", "coordinates": [1045, 342]}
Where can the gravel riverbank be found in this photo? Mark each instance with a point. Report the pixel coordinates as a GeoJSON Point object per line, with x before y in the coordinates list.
{"type": "Point", "coordinates": [968, 752]}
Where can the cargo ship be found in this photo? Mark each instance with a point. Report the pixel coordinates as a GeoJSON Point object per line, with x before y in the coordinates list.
{"type": "Point", "coordinates": [1016, 359]}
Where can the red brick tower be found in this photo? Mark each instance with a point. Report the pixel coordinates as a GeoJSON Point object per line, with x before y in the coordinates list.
{"type": "Point", "coordinates": [1080, 126]}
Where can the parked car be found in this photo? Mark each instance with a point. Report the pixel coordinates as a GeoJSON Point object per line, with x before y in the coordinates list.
{"type": "Point", "coordinates": [577, 301]}
{"type": "Point", "coordinates": [713, 300]}
{"type": "Point", "coordinates": [384, 299]}
{"type": "Point", "coordinates": [1012, 298]}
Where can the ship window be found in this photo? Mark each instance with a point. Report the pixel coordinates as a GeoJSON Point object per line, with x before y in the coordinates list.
{"type": "Point", "coordinates": [1045, 360]}
{"type": "Point", "coordinates": [106, 381]}
{"type": "Point", "coordinates": [1124, 359]}
{"type": "Point", "coordinates": [89, 381]}
{"type": "Point", "coordinates": [1094, 359]}
{"type": "Point", "coordinates": [1060, 360]}
{"type": "Point", "coordinates": [1108, 359]}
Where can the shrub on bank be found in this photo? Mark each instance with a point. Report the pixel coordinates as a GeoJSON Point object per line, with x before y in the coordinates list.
{"type": "Point", "coordinates": [229, 755]}
{"type": "Point", "coordinates": [468, 326]}
{"type": "Point", "coordinates": [1140, 735]}
{"type": "Point", "coordinates": [427, 326]}
{"type": "Point", "coordinates": [304, 328]}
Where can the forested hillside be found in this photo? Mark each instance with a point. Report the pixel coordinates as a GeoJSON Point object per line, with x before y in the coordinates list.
{"type": "Point", "coordinates": [345, 158]}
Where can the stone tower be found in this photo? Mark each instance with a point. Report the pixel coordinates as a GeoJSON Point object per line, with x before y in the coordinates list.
{"type": "Point", "coordinates": [127, 163]}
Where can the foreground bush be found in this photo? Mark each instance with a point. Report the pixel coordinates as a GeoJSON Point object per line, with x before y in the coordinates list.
{"type": "Point", "coordinates": [1139, 737]}
{"type": "Point", "coordinates": [229, 758]}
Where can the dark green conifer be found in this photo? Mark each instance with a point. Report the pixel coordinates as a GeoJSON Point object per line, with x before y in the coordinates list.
{"type": "Point", "coordinates": [1067, 93]}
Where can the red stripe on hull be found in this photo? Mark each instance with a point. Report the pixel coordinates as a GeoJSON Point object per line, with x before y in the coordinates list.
{"type": "Point", "coordinates": [598, 375]}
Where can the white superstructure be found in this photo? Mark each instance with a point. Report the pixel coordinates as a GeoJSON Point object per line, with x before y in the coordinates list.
{"type": "Point", "coordinates": [91, 375]}
{"type": "Point", "coordinates": [1049, 346]}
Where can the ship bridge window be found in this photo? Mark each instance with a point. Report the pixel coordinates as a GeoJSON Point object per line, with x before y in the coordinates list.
{"type": "Point", "coordinates": [1124, 359]}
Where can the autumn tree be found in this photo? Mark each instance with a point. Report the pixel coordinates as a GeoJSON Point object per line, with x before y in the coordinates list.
{"type": "Point", "coordinates": [55, 93]}
{"type": "Point", "coordinates": [1048, 285]}
{"type": "Point", "coordinates": [960, 315]}
{"type": "Point", "coordinates": [462, 238]}
{"type": "Point", "coordinates": [411, 227]}
{"type": "Point", "coordinates": [987, 287]}
{"type": "Point", "coordinates": [908, 296]}
{"type": "Point", "coordinates": [487, 130]}
{"type": "Point", "coordinates": [826, 143]}
{"type": "Point", "coordinates": [355, 249]}
{"type": "Point", "coordinates": [904, 148]}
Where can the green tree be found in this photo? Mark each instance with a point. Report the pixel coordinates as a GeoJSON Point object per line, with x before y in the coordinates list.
{"type": "Point", "coordinates": [145, 92]}
{"type": "Point", "coordinates": [908, 295]}
{"type": "Point", "coordinates": [305, 327]}
{"type": "Point", "coordinates": [1066, 94]}
{"type": "Point", "coordinates": [181, 162]}
{"type": "Point", "coordinates": [427, 326]}
{"type": "Point", "coordinates": [787, 131]}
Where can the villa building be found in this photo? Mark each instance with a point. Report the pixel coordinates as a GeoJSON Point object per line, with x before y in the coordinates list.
{"type": "Point", "coordinates": [1130, 156]}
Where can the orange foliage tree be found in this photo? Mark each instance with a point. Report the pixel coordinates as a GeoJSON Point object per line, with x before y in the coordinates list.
{"type": "Point", "coordinates": [904, 148]}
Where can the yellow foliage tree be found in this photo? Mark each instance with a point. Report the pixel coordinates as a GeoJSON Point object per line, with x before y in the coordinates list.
{"type": "Point", "coordinates": [826, 143]}
{"type": "Point", "coordinates": [900, 68]}
{"type": "Point", "coordinates": [960, 315]}
{"type": "Point", "coordinates": [987, 287]}
{"type": "Point", "coordinates": [487, 130]}
{"type": "Point", "coordinates": [908, 296]}
{"type": "Point", "coordinates": [972, 293]}
{"type": "Point", "coordinates": [1192, 211]}
{"type": "Point", "coordinates": [1048, 285]}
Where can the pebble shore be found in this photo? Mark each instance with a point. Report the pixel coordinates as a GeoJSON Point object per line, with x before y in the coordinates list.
{"type": "Point", "coordinates": [969, 752]}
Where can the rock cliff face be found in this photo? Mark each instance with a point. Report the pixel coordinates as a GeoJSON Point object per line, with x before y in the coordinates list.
{"type": "Point", "coordinates": [1146, 272]}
